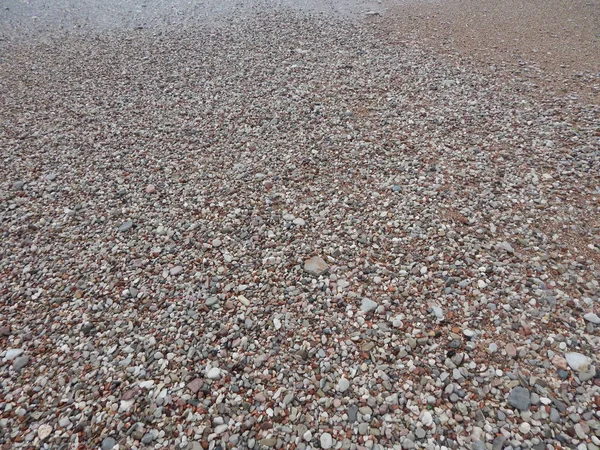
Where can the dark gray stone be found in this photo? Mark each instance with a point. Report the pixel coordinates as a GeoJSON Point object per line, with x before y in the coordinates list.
{"type": "Point", "coordinates": [519, 398]}
{"type": "Point", "coordinates": [352, 411]}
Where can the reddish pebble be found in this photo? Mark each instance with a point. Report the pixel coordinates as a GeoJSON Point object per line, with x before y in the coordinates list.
{"type": "Point", "coordinates": [150, 189]}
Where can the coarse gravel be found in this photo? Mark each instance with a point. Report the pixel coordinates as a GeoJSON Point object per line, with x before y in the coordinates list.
{"type": "Point", "coordinates": [162, 195]}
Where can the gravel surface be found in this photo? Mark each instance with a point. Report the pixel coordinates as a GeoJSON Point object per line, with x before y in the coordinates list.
{"type": "Point", "coordinates": [555, 44]}
{"type": "Point", "coordinates": [292, 231]}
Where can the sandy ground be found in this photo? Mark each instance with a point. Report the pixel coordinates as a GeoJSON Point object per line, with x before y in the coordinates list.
{"type": "Point", "coordinates": [555, 43]}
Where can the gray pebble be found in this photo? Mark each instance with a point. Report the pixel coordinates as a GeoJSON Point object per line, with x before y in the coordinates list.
{"type": "Point", "coordinates": [108, 443]}
{"type": "Point", "coordinates": [125, 226]}
{"type": "Point", "coordinates": [519, 398]}
{"type": "Point", "coordinates": [20, 362]}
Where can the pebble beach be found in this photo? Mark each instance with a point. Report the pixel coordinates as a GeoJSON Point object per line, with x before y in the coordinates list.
{"type": "Point", "coordinates": [294, 229]}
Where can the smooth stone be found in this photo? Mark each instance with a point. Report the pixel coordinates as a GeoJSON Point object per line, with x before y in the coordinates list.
{"type": "Point", "coordinates": [270, 442]}
{"type": "Point", "coordinates": [519, 398]}
{"type": "Point", "coordinates": [469, 333]}
{"type": "Point", "coordinates": [578, 362]}
{"type": "Point", "coordinates": [221, 428]}
{"type": "Point", "coordinates": [315, 266]}
{"type": "Point", "coordinates": [397, 188]}
{"type": "Point", "coordinates": [591, 317]}
{"type": "Point", "coordinates": [108, 443]}
{"type": "Point", "coordinates": [438, 312]}
{"type": "Point", "coordinates": [214, 373]}
{"type": "Point", "coordinates": [150, 189]}
{"type": "Point", "coordinates": [20, 362]}
{"type": "Point", "coordinates": [426, 418]}
{"type": "Point", "coordinates": [352, 412]}
{"type": "Point", "coordinates": [498, 443]}
{"type": "Point", "coordinates": [147, 438]}
{"type": "Point", "coordinates": [478, 445]}
{"type": "Point", "coordinates": [326, 441]}
{"type": "Point", "coordinates": [210, 301]}
{"type": "Point", "coordinates": [176, 270]}
{"type": "Point", "coordinates": [343, 385]}
{"type": "Point", "coordinates": [299, 222]}
{"type": "Point", "coordinates": [586, 376]}
{"type": "Point", "coordinates": [524, 428]}
{"type": "Point", "coordinates": [126, 226]}
{"type": "Point", "coordinates": [408, 444]}
{"type": "Point", "coordinates": [420, 433]}
{"type": "Point", "coordinates": [195, 385]}
{"type": "Point", "coordinates": [368, 305]}
{"type": "Point", "coordinates": [44, 431]}
{"type": "Point", "coordinates": [217, 243]}
{"type": "Point", "coordinates": [12, 353]}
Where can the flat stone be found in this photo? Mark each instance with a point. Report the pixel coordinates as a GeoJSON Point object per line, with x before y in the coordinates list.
{"type": "Point", "coordinates": [478, 445]}
{"type": "Point", "coordinates": [269, 442]}
{"type": "Point", "coordinates": [426, 418]}
{"type": "Point", "coordinates": [326, 441]}
{"type": "Point", "coordinates": [578, 362]}
{"type": "Point", "coordinates": [343, 385]}
{"type": "Point", "coordinates": [408, 444]}
{"type": "Point", "coordinates": [108, 443]}
{"type": "Point", "coordinates": [12, 353]}
{"type": "Point", "coordinates": [559, 362]}
{"type": "Point", "coordinates": [420, 433]}
{"type": "Point", "coordinates": [506, 247]}
{"type": "Point", "coordinates": [299, 222]}
{"type": "Point", "coordinates": [498, 443]}
{"type": "Point", "coordinates": [519, 398]}
{"type": "Point", "coordinates": [352, 412]}
{"type": "Point", "coordinates": [511, 350]}
{"type": "Point", "coordinates": [214, 373]}
{"type": "Point", "coordinates": [20, 362]}
{"type": "Point", "coordinates": [44, 431]}
{"type": "Point", "coordinates": [195, 385]}
{"type": "Point", "coordinates": [587, 375]}
{"type": "Point", "coordinates": [219, 429]}
{"type": "Point", "coordinates": [176, 270]}
{"type": "Point", "coordinates": [64, 422]}
{"type": "Point", "coordinates": [125, 226]}
{"type": "Point", "coordinates": [593, 318]}
{"type": "Point", "coordinates": [211, 301]}
{"type": "Point", "coordinates": [438, 312]}
{"type": "Point", "coordinates": [147, 438]}
{"type": "Point", "coordinates": [368, 305]}
{"type": "Point", "coordinates": [315, 266]}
